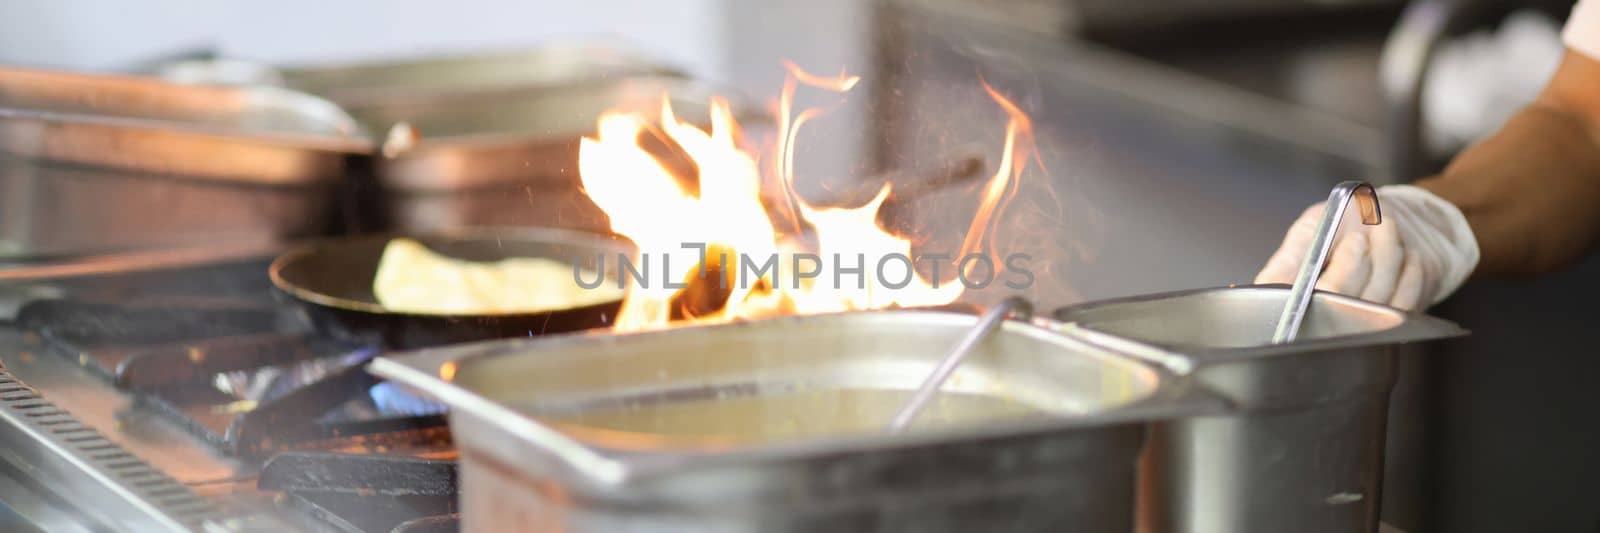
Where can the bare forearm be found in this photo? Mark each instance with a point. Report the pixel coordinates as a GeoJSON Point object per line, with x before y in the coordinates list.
{"type": "Point", "coordinates": [1531, 192]}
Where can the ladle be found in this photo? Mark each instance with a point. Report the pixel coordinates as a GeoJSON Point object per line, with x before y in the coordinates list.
{"type": "Point", "coordinates": [1305, 283]}
{"type": "Point", "coordinates": [989, 322]}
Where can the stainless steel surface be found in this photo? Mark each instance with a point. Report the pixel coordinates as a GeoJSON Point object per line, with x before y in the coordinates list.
{"type": "Point", "coordinates": [213, 70]}
{"type": "Point", "coordinates": [510, 158]}
{"type": "Point", "coordinates": [368, 83]}
{"type": "Point", "coordinates": [1306, 452]}
{"type": "Point", "coordinates": [1410, 48]}
{"type": "Point", "coordinates": [1422, 28]}
{"type": "Point", "coordinates": [14, 297]}
{"type": "Point", "coordinates": [123, 493]}
{"type": "Point", "coordinates": [1305, 282]}
{"type": "Point", "coordinates": [1027, 474]}
{"type": "Point", "coordinates": [372, 83]}
{"type": "Point", "coordinates": [95, 163]}
{"type": "Point", "coordinates": [113, 467]}
{"type": "Point", "coordinates": [140, 260]}
{"type": "Point", "coordinates": [29, 508]}
{"type": "Point", "coordinates": [265, 136]}
{"type": "Point", "coordinates": [51, 210]}
{"type": "Point", "coordinates": [484, 138]}
{"type": "Point", "coordinates": [1000, 39]}
{"type": "Point", "coordinates": [1198, 172]}
{"type": "Point", "coordinates": [987, 324]}
{"type": "Point", "coordinates": [116, 490]}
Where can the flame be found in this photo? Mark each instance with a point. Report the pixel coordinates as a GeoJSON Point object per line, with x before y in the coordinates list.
{"type": "Point", "coordinates": [649, 205]}
{"type": "Point", "coordinates": [1002, 187]}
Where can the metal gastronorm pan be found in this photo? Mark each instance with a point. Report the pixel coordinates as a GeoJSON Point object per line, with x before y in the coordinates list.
{"type": "Point", "coordinates": [1303, 449]}
{"type": "Point", "coordinates": [96, 163]}
{"type": "Point", "coordinates": [1069, 467]}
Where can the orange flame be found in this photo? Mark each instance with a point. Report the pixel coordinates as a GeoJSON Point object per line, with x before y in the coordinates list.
{"type": "Point", "coordinates": [647, 204]}
{"type": "Point", "coordinates": [1002, 187]}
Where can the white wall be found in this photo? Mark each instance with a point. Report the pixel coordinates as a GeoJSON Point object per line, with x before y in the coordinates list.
{"type": "Point", "coordinates": [109, 34]}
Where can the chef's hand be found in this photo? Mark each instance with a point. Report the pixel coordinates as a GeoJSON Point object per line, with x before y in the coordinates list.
{"type": "Point", "coordinates": [1420, 254]}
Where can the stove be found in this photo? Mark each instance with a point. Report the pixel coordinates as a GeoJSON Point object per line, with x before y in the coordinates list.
{"type": "Point", "coordinates": [185, 396]}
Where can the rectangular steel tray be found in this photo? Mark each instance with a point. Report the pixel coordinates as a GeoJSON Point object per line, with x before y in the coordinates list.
{"type": "Point", "coordinates": [263, 135]}
{"type": "Point", "coordinates": [93, 163]}
{"type": "Point", "coordinates": [374, 82]}
{"type": "Point", "coordinates": [1073, 466]}
{"type": "Point", "coordinates": [1303, 448]}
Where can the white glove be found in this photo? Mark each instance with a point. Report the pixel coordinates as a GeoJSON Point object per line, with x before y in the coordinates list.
{"type": "Point", "coordinates": [1422, 252]}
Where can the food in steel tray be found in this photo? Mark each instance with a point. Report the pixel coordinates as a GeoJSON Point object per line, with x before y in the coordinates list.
{"type": "Point", "coordinates": [776, 417]}
{"type": "Point", "coordinates": [413, 279]}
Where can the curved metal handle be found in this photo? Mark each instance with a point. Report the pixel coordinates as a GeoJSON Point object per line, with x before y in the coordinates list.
{"type": "Point", "coordinates": [1305, 283]}
{"type": "Point", "coordinates": [989, 322]}
{"type": "Point", "coordinates": [1403, 70]}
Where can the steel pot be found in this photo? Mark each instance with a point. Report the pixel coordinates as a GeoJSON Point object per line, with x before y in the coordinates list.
{"type": "Point", "coordinates": [507, 158]}
{"type": "Point", "coordinates": [530, 460]}
{"type": "Point", "coordinates": [95, 163]}
{"type": "Point", "coordinates": [1304, 449]}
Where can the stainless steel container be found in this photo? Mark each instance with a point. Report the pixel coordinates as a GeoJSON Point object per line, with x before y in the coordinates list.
{"type": "Point", "coordinates": [530, 459]}
{"type": "Point", "coordinates": [508, 158]}
{"type": "Point", "coordinates": [372, 83]}
{"type": "Point", "coordinates": [93, 163]}
{"type": "Point", "coordinates": [496, 132]}
{"type": "Point", "coordinates": [1304, 452]}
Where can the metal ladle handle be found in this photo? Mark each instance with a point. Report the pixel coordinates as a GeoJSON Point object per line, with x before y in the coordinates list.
{"type": "Point", "coordinates": [1305, 283]}
{"type": "Point", "coordinates": [989, 322]}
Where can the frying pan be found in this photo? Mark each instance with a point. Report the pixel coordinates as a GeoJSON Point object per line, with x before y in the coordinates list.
{"type": "Point", "coordinates": [330, 282]}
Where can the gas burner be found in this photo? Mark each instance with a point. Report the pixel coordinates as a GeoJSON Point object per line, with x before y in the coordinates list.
{"type": "Point", "coordinates": [366, 493]}
{"type": "Point", "coordinates": [236, 381]}
{"type": "Point", "coordinates": [228, 363]}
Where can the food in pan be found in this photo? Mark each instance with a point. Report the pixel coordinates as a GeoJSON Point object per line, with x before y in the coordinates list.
{"type": "Point", "coordinates": [413, 279]}
{"type": "Point", "coordinates": [783, 416]}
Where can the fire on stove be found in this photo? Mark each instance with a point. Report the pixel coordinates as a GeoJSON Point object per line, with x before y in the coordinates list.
{"type": "Point", "coordinates": [229, 402]}
{"type": "Point", "coordinates": [735, 257]}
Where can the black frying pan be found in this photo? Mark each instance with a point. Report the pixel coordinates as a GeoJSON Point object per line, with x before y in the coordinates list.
{"type": "Point", "coordinates": [331, 282]}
